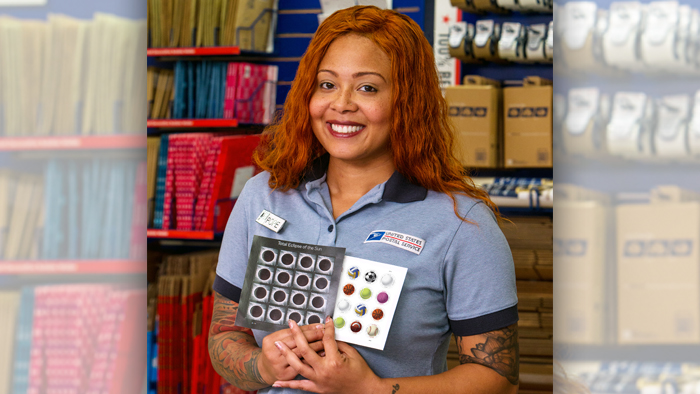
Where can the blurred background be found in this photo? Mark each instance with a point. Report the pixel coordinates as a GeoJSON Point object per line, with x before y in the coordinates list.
{"type": "Point", "coordinates": [72, 196]}
{"type": "Point", "coordinates": [627, 217]}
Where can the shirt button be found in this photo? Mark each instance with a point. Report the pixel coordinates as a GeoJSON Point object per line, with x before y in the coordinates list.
{"type": "Point", "coordinates": [330, 228]}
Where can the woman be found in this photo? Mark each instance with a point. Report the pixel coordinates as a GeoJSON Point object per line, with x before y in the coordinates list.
{"type": "Point", "coordinates": [364, 145]}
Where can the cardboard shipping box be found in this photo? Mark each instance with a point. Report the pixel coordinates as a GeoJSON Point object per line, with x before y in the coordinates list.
{"type": "Point", "coordinates": [659, 272]}
{"type": "Point", "coordinates": [475, 111]}
{"type": "Point", "coordinates": [527, 112]}
{"type": "Point", "coordinates": [580, 250]}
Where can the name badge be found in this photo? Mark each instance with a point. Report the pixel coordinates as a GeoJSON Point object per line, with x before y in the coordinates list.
{"type": "Point", "coordinates": [271, 221]}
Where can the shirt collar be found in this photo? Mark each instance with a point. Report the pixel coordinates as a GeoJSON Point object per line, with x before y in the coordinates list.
{"type": "Point", "coordinates": [397, 188]}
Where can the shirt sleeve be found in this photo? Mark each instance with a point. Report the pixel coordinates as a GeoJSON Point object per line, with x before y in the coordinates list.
{"type": "Point", "coordinates": [233, 256]}
{"type": "Point", "coordinates": [480, 276]}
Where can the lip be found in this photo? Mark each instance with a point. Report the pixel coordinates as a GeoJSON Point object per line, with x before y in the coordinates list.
{"type": "Point", "coordinates": [344, 135]}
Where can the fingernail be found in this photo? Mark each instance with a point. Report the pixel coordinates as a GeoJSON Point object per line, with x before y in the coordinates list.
{"type": "Point", "coordinates": [279, 345]}
{"type": "Point", "coordinates": [276, 385]}
{"type": "Point", "coordinates": [291, 323]}
{"type": "Point", "coordinates": [328, 319]}
{"type": "Point", "coordinates": [320, 327]}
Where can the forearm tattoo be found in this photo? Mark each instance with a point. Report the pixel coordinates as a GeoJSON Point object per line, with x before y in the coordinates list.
{"type": "Point", "coordinates": [498, 351]}
{"type": "Point", "coordinates": [395, 388]}
{"type": "Point", "coordinates": [230, 348]}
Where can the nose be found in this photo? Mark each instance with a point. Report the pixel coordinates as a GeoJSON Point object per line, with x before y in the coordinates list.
{"type": "Point", "coordinates": [344, 101]}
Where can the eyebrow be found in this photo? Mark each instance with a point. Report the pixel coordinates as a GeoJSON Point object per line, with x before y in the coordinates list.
{"type": "Point", "coordinates": [356, 75]}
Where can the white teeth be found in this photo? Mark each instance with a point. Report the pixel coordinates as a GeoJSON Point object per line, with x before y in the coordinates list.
{"type": "Point", "coordinates": [345, 129]}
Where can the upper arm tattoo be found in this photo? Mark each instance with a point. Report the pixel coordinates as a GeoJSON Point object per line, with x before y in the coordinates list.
{"type": "Point", "coordinates": [230, 347]}
{"type": "Point", "coordinates": [497, 350]}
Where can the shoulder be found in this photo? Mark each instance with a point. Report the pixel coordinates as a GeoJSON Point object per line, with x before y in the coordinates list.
{"type": "Point", "coordinates": [473, 209]}
{"type": "Point", "coordinates": [259, 182]}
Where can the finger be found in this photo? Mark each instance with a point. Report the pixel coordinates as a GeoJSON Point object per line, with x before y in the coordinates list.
{"type": "Point", "coordinates": [316, 347]}
{"type": "Point", "coordinates": [309, 354]}
{"type": "Point", "coordinates": [312, 333]}
{"type": "Point", "coordinates": [294, 361]}
{"type": "Point", "coordinates": [329, 343]}
{"type": "Point", "coordinates": [305, 385]}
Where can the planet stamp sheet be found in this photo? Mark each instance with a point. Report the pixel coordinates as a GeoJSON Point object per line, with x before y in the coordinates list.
{"type": "Point", "coordinates": [366, 301]}
{"type": "Point", "coordinates": [288, 280]}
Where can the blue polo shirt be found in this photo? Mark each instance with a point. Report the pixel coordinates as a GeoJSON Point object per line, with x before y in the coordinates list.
{"type": "Point", "coordinates": [463, 281]}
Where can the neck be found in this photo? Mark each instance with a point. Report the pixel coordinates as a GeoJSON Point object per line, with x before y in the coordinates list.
{"type": "Point", "coordinates": [351, 180]}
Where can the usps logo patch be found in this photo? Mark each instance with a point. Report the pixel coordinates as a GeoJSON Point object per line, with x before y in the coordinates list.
{"type": "Point", "coordinates": [403, 241]}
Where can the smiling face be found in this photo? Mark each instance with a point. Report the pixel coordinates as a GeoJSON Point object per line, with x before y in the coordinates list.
{"type": "Point", "coordinates": [351, 105]}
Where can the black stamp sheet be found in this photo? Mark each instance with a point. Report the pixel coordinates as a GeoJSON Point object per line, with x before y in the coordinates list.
{"type": "Point", "coordinates": [288, 280]}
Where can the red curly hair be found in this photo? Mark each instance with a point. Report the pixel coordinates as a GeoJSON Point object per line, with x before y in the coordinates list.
{"type": "Point", "coordinates": [422, 136]}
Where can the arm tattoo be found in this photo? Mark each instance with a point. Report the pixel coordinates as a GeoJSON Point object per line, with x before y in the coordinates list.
{"type": "Point", "coordinates": [498, 351]}
{"type": "Point", "coordinates": [395, 388]}
{"type": "Point", "coordinates": [233, 350]}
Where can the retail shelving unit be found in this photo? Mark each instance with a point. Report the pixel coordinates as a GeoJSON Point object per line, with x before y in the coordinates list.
{"type": "Point", "coordinates": [191, 123]}
{"type": "Point", "coordinates": [198, 51]}
{"type": "Point", "coordinates": [181, 234]}
{"type": "Point", "coordinates": [619, 178]}
{"type": "Point", "coordinates": [72, 267]}
{"type": "Point", "coordinates": [52, 170]}
{"type": "Point", "coordinates": [50, 143]}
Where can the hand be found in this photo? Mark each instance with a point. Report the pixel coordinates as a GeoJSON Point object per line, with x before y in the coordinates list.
{"type": "Point", "coordinates": [342, 370]}
{"type": "Point", "coordinates": [273, 366]}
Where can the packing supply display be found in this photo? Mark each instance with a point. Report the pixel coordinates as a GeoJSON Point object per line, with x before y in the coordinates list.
{"type": "Point", "coordinates": [536, 42]}
{"type": "Point", "coordinates": [72, 337]}
{"type": "Point", "coordinates": [671, 135]}
{"type": "Point", "coordinates": [489, 6]}
{"type": "Point", "coordinates": [549, 44]}
{"type": "Point", "coordinates": [512, 5]}
{"type": "Point", "coordinates": [213, 90]}
{"type": "Point", "coordinates": [81, 89]}
{"type": "Point", "coordinates": [661, 35]}
{"type": "Point", "coordinates": [530, 239]}
{"type": "Point", "coordinates": [503, 6]}
{"type": "Point", "coordinates": [465, 5]}
{"type": "Point", "coordinates": [511, 45]}
{"type": "Point", "coordinates": [461, 42]}
{"type": "Point", "coordinates": [580, 249]}
{"type": "Point", "coordinates": [180, 307]}
{"type": "Point", "coordinates": [475, 111]}
{"type": "Point", "coordinates": [655, 37]}
{"type": "Point", "coordinates": [76, 209]}
{"type": "Point", "coordinates": [641, 377]}
{"type": "Point", "coordinates": [528, 124]}
{"type": "Point", "coordinates": [516, 42]}
{"type": "Point", "coordinates": [579, 35]}
{"type": "Point", "coordinates": [621, 40]}
{"type": "Point", "coordinates": [246, 24]}
{"type": "Point", "coordinates": [486, 38]}
{"type": "Point", "coordinates": [629, 133]}
{"type": "Point", "coordinates": [633, 125]}
{"type": "Point", "coordinates": [584, 125]}
{"type": "Point", "coordinates": [519, 192]}
{"type": "Point", "coordinates": [694, 128]}
{"type": "Point", "coordinates": [536, 5]}
{"type": "Point", "coordinates": [651, 238]}
{"type": "Point", "coordinates": [197, 178]}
